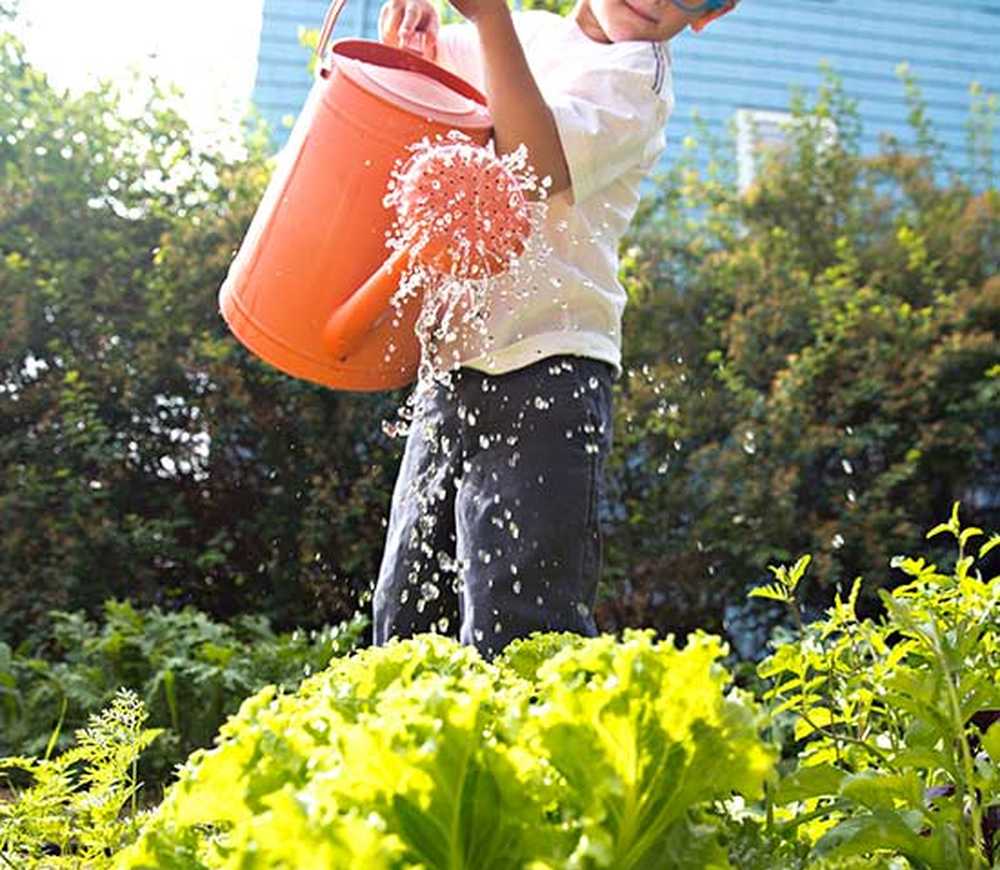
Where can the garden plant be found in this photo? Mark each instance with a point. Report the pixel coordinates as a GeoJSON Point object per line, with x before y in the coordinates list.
{"type": "Point", "coordinates": [875, 742]}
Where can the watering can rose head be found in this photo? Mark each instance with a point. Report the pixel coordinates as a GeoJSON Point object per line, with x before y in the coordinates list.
{"type": "Point", "coordinates": [461, 210]}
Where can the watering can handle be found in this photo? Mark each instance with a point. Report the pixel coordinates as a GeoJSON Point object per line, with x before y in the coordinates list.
{"type": "Point", "coordinates": [326, 31]}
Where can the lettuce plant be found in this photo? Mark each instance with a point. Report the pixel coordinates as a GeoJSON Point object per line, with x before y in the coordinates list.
{"type": "Point", "coordinates": [565, 752]}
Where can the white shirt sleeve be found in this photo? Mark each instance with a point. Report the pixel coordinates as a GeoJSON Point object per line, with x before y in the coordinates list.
{"type": "Point", "coordinates": [610, 122]}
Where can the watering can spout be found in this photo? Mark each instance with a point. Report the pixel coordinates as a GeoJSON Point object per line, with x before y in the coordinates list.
{"type": "Point", "coordinates": [361, 320]}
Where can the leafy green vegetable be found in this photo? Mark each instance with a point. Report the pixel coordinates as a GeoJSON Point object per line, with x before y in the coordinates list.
{"type": "Point", "coordinates": [422, 754]}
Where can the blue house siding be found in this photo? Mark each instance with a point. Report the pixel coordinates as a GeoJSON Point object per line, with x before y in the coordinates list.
{"type": "Point", "coordinates": [283, 80]}
{"type": "Point", "coordinates": [750, 60]}
{"type": "Point", "coordinates": [753, 58]}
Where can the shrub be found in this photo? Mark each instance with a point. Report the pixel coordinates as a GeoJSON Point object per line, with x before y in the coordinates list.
{"type": "Point", "coordinates": [190, 672]}
{"type": "Point", "coordinates": [895, 721]}
{"type": "Point", "coordinates": [143, 452]}
{"type": "Point", "coordinates": [812, 366]}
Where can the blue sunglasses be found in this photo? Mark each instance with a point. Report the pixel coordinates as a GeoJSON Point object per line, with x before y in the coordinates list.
{"type": "Point", "coordinates": [701, 5]}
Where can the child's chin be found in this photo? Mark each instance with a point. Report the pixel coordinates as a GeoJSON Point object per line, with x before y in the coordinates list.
{"type": "Point", "coordinates": [623, 34]}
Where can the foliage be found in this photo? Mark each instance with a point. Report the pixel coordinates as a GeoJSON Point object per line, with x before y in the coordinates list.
{"type": "Point", "coordinates": [573, 752]}
{"type": "Point", "coordinates": [593, 753]}
{"type": "Point", "coordinates": [70, 814]}
{"type": "Point", "coordinates": [896, 721]}
{"type": "Point", "coordinates": [143, 453]}
{"type": "Point", "coordinates": [812, 366]}
{"type": "Point", "coordinates": [190, 672]}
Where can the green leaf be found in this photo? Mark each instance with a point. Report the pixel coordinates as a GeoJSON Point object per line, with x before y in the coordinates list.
{"type": "Point", "coordinates": [799, 570]}
{"type": "Point", "coordinates": [994, 541]}
{"type": "Point", "coordinates": [991, 742]}
{"type": "Point", "coordinates": [885, 830]}
{"type": "Point", "coordinates": [809, 782]}
{"type": "Point", "coordinates": [774, 592]}
{"type": "Point", "coordinates": [967, 534]}
{"type": "Point", "coordinates": [877, 790]}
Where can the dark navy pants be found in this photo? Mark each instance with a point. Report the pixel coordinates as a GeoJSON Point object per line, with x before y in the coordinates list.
{"type": "Point", "coordinates": [494, 522]}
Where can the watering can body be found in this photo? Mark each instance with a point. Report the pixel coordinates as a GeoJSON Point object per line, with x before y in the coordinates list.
{"type": "Point", "coordinates": [320, 230]}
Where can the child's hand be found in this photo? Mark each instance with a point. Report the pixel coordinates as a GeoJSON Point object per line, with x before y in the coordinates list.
{"type": "Point", "coordinates": [473, 10]}
{"type": "Point", "coordinates": [410, 24]}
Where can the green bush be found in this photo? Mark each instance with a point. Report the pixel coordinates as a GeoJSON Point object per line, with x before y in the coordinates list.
{"type": "Point", "coordinates": [812, 366]}
{"type": "Point", "coordinates": [190, 672]}
{"type": "Point", "coordinates": [895, 722]}
{"type": "Point", "coordinates": [144, 454]}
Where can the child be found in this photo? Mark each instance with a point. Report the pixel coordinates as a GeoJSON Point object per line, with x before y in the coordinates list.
{"type": "Point", "coordinates": [494, 515]}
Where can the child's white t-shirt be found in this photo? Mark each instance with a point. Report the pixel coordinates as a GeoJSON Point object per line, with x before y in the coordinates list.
{"type": "Point", "coordinates": [610, 103]}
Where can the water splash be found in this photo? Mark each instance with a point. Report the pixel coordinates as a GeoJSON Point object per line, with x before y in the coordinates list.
{"type": "Point", "coordinates": [469, 220]}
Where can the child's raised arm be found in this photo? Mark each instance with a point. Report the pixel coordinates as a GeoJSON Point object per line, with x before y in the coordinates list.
{"type": "Point", "coordinates": [520, 114]}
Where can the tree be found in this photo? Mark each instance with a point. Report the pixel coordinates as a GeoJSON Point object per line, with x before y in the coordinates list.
{"type": "Point", "coordinates": [144, 454]}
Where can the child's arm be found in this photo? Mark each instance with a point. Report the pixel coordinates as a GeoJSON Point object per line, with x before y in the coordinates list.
{"type": "Point", "coordinates": [520, 114]}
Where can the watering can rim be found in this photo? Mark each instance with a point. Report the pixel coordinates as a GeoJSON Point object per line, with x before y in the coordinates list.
{"type": "Point", "coordinates": [359, 58]}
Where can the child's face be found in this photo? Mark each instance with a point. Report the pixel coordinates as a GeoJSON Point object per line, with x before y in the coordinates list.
{"type": "Point", "coordinates": [632, 20]}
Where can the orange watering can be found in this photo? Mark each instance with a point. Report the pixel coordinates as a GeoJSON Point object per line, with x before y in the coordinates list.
{"type": "Point", "coordinates": [319, 233]}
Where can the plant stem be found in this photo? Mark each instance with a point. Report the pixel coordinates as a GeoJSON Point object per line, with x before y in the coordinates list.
{"type": "Point", "coordinates": [963, 786]}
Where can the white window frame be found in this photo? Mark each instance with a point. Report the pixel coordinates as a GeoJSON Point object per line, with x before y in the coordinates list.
{"type": "Point", "coordinates": [748, 149]}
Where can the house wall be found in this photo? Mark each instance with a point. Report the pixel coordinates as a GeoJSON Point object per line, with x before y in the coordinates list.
{"type": "Point", "coordinates": [751, 59]}
{"type": "Point", "coordinates": [283, 80]}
